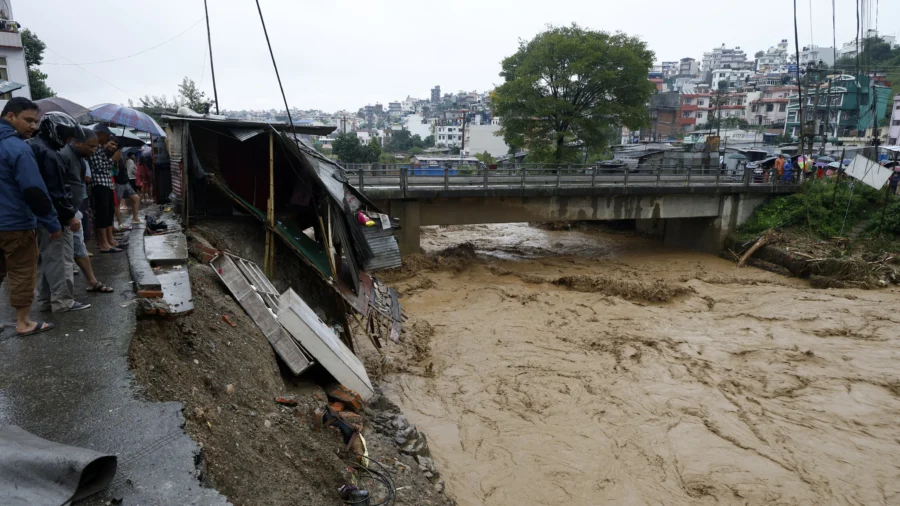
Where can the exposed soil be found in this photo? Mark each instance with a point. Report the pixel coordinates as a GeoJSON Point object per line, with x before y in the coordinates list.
{"type": "Point", "coordinates": [734, 386]}
{"type": "Point", "coordinates": [254, 450]}
{"type": "Point", "coordinates": [830, 263]}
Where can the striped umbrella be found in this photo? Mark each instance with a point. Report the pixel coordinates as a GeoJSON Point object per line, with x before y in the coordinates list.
{"type": "Point", "coordinates": [126, 116]}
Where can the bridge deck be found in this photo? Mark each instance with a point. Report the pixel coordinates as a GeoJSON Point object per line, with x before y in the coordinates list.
{"type": "Point", "coordinates": [402, 183]}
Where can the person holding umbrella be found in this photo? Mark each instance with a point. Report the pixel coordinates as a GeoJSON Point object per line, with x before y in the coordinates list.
{"type": "Point", "coordinates": [102, 188]}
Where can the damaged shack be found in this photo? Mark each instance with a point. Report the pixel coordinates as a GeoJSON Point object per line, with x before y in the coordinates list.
{"type": "Point", "coordinates": [322, 238]}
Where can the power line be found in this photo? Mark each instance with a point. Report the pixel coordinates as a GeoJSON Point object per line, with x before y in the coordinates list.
{"type": "Point", "coordinates": [91, 73]}
{"type": "Point", "coordinates": [131, 55]}
{"type": "Point", "coordinates": [272, 54]}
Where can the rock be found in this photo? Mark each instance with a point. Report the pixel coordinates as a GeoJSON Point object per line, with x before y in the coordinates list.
{"type": "Point", "coordinates": [429, 474]}
{"type": "Point", "coordinates": [229, 389]}
{"type": "Point", "coordinates": [439, 487]}
{"type": "Point", "coordinates": [400, 422]}
{"type": "Point", "coordinates": [268, 424]}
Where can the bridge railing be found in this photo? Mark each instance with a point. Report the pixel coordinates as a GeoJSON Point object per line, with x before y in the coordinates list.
{"type": "Point", "coordinates": [530, 176]}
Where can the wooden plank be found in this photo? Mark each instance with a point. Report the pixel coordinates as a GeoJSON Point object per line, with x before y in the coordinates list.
{"type": "Point", "coordinates": [286, 348]}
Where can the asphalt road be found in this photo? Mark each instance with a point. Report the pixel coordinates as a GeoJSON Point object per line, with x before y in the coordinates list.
{"type": "Point", "coordinates": [72, 385]}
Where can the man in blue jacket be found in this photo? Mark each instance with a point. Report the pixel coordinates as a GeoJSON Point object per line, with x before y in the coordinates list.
{"type": "Point", "coordinates": [56, 288]}
{"type": "Point", "coordinates": [24, 202]}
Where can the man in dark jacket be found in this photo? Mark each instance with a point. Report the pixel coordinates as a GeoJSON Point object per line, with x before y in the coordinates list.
{"type": "Point", "coordinates": [24, 202]}
{"type": "Point", "coordinates": [56, 286]}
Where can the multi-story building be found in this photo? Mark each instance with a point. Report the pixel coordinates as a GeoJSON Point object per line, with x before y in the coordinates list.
{"type": "Point", "coordinates": [12, 54]}
{"type": "Point", "coordinates": [448, 136]}
{"type": "Point", "coordinates": [894, 128]}
{"type": "Point", "coordinates": [723, 57]}
{"type": "Point", "coordinates": [670, 68]}
{"type": "Point", "coordinates": [688, 67]}
{"type": "Point", "coordinates": [775, 58]}
{"type": "Point", "coordinates": [815, 54]}
{"type": "Point", "coordinates": [850, 49]}
{"type": "Point", "coordinates": [734, 77]}
{"type": "Point", "coordinates": [417, 125]}
{"type": "Point", "coordinates": [436, 95]}
{"type": "Point", "coordinates": [395, 108]}
{"type": "Point", "coordinates": [770, 109]}
{"type": "Point", "coordinates": [665, 122]}
{"type": "Point", "coordinates": [844, 110]}
{"type": "Point", "coordinates": [695, 110]}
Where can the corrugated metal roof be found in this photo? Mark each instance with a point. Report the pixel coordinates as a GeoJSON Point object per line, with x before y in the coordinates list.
{"type": "Point", "coordinates": [236, 123]}
{"type": "Point", "coordinates": [243, 134]}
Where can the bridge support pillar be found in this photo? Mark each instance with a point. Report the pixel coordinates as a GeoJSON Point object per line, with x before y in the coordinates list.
{"type": "Point", "coordinates": [709, 234]}
{"type": "Point", "coordinates": [408, 237]}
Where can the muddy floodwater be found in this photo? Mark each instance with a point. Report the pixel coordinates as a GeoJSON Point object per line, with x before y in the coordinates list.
{"type": "Point", "coordinates": [585, 367]}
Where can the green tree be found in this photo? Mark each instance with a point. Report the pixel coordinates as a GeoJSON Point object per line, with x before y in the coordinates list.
{"type": "Point", "coordinates": [156, 106]}
{"type": "Point", "coordinates": [759, 54]}
{"type": "Point", "coordinates": [349, 149]}
{"type": "Point", "coordinates": [569, 84]}
{"type": "Point", "coordinates": [34, 55]}
{"type": "Point", "coordinates": [192, 97]}
{"type": "Point", "coordinates": [485, 158]}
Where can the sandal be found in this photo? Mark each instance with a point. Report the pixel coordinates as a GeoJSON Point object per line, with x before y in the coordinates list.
{"type": "Point", "coordinates": [112, 250]}
{"type": "Point", "coordinates": [40, 327]}
{"type": "Point", "coordinates": [100, 288]}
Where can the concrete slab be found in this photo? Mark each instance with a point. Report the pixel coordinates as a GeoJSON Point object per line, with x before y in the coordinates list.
{"type": "Point", "coordinates": [72, 385]}
{"type": "Point", "coordinates": [141, 271]}
{"type": "Point", "coordinates": [169, 249]}
{"type": "Point", "coordinates": [176, 288]}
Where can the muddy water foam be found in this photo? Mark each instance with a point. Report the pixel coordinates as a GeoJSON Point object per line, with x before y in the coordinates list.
{"type": "Point", "coordinates": [750, 388]}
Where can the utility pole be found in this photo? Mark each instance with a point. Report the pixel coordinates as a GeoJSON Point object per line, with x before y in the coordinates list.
{"type": "Point", "coordinates": [212, 66]}
{"type": "Point", "coordinates": [812, 138]}
{"type": "Point", "coordinates": [827, 116]}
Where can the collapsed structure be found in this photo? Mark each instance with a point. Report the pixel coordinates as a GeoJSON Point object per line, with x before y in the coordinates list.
{"type": "Point", "coordinates": [222, 167]}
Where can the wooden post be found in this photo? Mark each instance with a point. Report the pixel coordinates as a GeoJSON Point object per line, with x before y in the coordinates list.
{"type": "Point", "coordinates": [270, 214]}
{"type": "Point", "coordinates": [837, 175]}
{"type": "Point", "coordinates": [594, 176]}
{"type": "Point", "coordinates": [329, 241]}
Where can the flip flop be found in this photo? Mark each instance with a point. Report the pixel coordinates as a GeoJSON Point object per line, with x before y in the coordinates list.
{"type": "Point", "coordinates": [100, 288]}
{"type": "Point", "coordinates": [40, 327]}
{"type": "Point", "coordinates": [112, 250]}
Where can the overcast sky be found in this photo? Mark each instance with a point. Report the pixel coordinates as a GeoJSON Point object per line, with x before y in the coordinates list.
{"type": "Point", "coordinates": [345, 54]}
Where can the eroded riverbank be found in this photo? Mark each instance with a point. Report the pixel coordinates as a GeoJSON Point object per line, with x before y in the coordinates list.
{"type": "Point", "coordinates": [733, 386]}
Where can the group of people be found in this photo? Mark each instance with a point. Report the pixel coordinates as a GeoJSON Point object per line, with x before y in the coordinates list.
{"type": "Point", "coordinates": [49, 171]}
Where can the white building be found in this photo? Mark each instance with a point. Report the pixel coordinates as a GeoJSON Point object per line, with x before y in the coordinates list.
{"type": "Point", "coordinates": [449, 136]}
{"type": "Point", "coordinates": [724, 57]}
{"type": "Point", "coordinates": [688, 67]}
{"type": "Point", "coordinates": [734, 77]}
{"type": "Point", "coordinates": [849, 48]}
{"type": "Point", "coordinates": [894, 131]}
{"type": "Point", "coordinates": [813, 53]}
{"type": "Point", "coordinates": [417, 125]}
{"type": "Point", "coordinates": [481, 138]}
{"type": "Point", "coordinates": [12, 55]}
{"type": "Point", "coordinates": [775, 58]}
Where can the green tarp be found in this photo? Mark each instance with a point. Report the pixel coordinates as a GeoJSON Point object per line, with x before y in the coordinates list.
{"type": "Point", "coordinates": [308, 248]}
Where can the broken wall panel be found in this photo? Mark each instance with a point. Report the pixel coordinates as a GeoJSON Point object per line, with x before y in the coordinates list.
{"type": "Point", "coordinates": [323, 344]}
{"type": "Point", "coordinates": [286, 348]}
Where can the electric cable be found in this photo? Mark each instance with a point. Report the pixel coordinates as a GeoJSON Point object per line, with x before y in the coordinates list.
{"type": "Point", "coordinates": [277, 74]}
{"type": "Point", "coordinates": [129, 56]}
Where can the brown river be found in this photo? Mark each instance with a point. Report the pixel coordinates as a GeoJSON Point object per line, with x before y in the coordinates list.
{"type": "Point", "coordinates": [587, 367]}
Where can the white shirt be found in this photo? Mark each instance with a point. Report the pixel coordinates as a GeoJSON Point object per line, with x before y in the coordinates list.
{"type": "Point", "coordinates": [131, 168]}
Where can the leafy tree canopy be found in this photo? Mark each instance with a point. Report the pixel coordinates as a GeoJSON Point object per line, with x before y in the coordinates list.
{"type": "Point", "coordinates": [567, 86]}
{"type": "Point", "coordinates": [34, 55]}
{"type": "Point", "coordinates": [349, 149]}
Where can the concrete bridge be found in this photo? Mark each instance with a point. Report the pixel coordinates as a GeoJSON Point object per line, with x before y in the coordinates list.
{"type": "Point", "coordinates": [689, 206]}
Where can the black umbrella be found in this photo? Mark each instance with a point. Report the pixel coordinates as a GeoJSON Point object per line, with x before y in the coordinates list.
{"type": "Point", "coordinates": [59, 104]}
